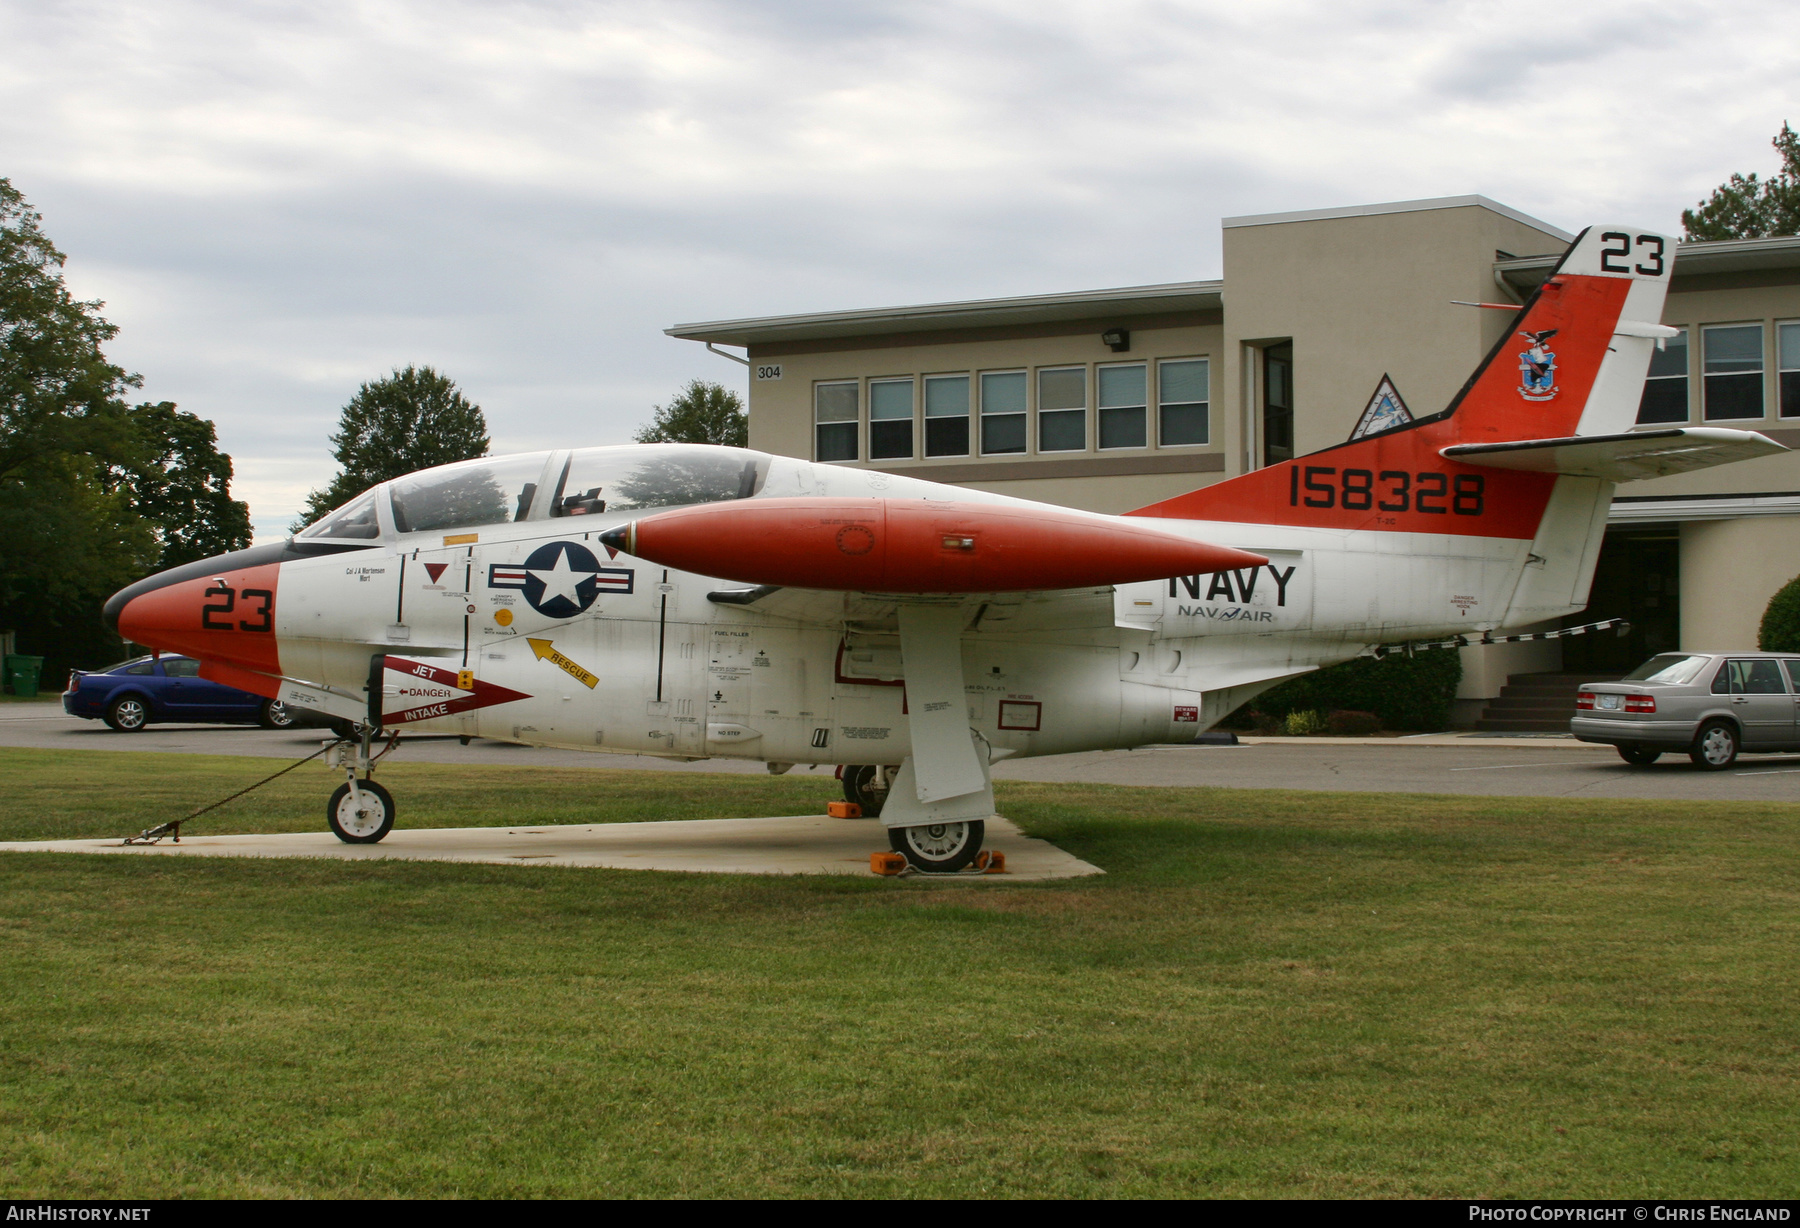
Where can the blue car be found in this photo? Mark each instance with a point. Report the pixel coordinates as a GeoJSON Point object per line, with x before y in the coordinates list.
{"type": "Point", "coordinates": [129, 696]}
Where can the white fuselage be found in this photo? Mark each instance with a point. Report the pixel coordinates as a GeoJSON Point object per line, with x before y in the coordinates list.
{"type": "Point", "coordinates": [658, 665]}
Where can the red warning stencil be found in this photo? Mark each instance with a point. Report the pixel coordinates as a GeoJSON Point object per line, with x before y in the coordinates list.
{"type": "Point", "coordinates": [414, 691]}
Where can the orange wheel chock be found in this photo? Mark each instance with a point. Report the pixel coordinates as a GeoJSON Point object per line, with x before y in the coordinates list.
{"type": "Point", "coordinates": [843, 810]}
{"type": "Point", "coordinates": [886, 863]}
{"type": "Point", "coordinates": [991, 863]}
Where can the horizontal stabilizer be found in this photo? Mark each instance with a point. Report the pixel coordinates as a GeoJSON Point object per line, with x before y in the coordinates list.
{"type": "Point", "coordinates": [1620, 458]}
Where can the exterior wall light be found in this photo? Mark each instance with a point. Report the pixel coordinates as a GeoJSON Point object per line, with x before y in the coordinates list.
{"type": "Point", "coordinates": [1118, 340]}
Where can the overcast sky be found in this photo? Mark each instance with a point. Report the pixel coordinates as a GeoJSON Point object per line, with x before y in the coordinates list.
{"type": "Point", "coordinates": [280, 200]}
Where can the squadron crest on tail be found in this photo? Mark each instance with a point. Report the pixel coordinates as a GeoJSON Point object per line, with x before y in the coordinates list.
{"type": "Point", "coordinates": [1537, 367]}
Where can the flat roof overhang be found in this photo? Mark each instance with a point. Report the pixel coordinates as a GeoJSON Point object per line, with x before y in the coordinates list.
{"type": "Point", "coordinates": [1523, 275]}
{"type": "Point", "coordinates": [1527, 273]}
{"type": "Point", "coordinates": [1119, 305]}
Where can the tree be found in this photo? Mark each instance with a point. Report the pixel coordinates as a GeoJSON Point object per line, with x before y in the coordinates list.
{"type": "Point", "coordinates": [702, 412]}
{"type": "Point", "coordinates": [181, 483]}
{"type": "Point", "coordinates": [71, 535]}
{"type": "Point", "coordinates": [71, 541]}
{"type": "Point", "coordinates": [1780, 630]}
{"type": "Point", "coordinates": [410, 420]}
{"type": "Point", "coordinates": [1744, 207]}
{"type": "Point", "coordinates": [58, 394]}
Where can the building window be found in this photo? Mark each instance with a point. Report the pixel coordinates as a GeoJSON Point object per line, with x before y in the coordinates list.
{"type": "Point", "coordinates": [1181, 402]}
{"type": "Point", "coordinates": [1124, 407]}
{"type": "Point", "coordinates": [1734, 371]}
{"type": "Point", "coordinates": [1062, 410]}
{"type": "Point", "coordinates": [1003, 413]}
{"type": "Point", "coordinates": [1790, 369]}
{"type": "Point", "coordinates": [834, 418]}
{"type": "Point", "coordinates": [947, 415]}
{"type": "Point", "coordinates": [890, 419]}
{"type": "Point", "coordinates": [1278, 403]}
{"type": "Point", "coordinates": [1666, 387]}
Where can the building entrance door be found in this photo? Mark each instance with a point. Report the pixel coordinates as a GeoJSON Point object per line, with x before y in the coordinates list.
{"type": "Point", "coordinates": [1638, 578]}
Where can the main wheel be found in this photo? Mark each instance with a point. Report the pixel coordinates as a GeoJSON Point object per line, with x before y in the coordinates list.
{"type": "Point", "coordinates": [275, 715]}
{"type": "Point", "coordinates": [938, 848]}
{"type": "Point", "coordinates": [867, 786]}
{"type": "Point", "coordinates": [1641, 756]}
{"type": "Point", "coordinates": [1715, 746]}
{"type": "Point", "coordinates": [367, 825]}
{"type": "Point", "coordinates": [127, 715]}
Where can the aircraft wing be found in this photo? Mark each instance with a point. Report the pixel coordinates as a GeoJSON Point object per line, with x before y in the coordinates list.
{"type": "Point", "coordinates": [1050, 610]}
{"type": "Point", "coordinates": [1620, 458]}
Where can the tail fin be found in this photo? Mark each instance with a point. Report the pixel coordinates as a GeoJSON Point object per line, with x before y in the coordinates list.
{"type": "Point", "coordinates": [1571, 364]}
{"type": "Point", "coordinates": [1574, 360]}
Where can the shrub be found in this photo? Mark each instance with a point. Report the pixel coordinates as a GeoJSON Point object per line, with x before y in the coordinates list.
{"type": "Point", "coordinates": [1348, 724]}
{"type": "Point", "coordinates": [1303, 724]}
{"type": "Point", "coordinates": [1780, 630]}
{"type": "Point", "coordinates": [1255, 720]}
{"type": "Point", "coordinates": [1403, 692]}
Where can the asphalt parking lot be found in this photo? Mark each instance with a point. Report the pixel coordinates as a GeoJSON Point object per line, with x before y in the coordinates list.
{"type": "Point", "coordinates": [1497, 767]}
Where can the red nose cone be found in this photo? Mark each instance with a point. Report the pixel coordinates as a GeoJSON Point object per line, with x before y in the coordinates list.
{"type": "Point", "coordinates": [908, 546]}
{"type": "Point", "coordinates": [227, 619]}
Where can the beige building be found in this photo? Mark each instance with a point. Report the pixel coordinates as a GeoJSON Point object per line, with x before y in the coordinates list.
{"type": "Point", "coordinates": [1113, 399]}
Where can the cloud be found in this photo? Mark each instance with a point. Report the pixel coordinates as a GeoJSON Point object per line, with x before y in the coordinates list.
{"type": "Point", "coordinates": [282, 200]}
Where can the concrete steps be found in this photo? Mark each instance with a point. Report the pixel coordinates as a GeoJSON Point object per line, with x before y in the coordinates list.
{"type": "Point", "coordinates": [1536, 703]}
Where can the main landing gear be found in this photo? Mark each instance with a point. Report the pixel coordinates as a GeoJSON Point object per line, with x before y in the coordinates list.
{"type": "Point", "coordinates": [360, 811]}
{"type": "Point", "coordinates": [867, 786]}
{"type": "Point", "coordinates": [938, 848]}
{"type": "Point", "coordinates": [935, 848]}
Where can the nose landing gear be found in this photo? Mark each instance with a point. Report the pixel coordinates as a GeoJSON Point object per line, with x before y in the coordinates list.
{"type": "Point", "coordinates": [360, 811]}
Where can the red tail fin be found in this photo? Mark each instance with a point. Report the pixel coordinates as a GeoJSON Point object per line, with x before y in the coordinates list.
{"type": "Point", "coordinates": [1561, 352]}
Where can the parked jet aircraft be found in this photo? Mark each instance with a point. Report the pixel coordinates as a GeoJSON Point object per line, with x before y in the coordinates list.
{"type": "Point", "coordinates": [691, 601]}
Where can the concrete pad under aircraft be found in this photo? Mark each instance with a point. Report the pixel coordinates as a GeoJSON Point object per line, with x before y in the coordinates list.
{"type": "Point", "coordinates": [800, 844]}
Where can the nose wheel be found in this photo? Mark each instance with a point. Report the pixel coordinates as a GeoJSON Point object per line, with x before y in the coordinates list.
{"type": "Point", "coordinates": [938, 848]}
{"type": "Point", "coordinates": [360, 812]}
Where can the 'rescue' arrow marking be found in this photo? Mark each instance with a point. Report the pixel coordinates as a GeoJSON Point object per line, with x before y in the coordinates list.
{"type": "Point", "coordinates": [544, 652]}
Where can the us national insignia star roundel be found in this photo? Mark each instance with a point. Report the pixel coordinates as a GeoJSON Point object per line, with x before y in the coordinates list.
{"type": "Point", "coordinates": [561, 579]}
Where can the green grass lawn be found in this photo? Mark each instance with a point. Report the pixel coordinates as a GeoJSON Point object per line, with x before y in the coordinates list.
{"type": "Point", "coordinates": [1270, 993]}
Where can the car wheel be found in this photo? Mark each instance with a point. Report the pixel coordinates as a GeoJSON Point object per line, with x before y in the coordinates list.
{"type": "Point", "coordinates": [1639, 756]}
{"type": "Point", "coordinates": [1715, 746]}
{"type": "Point", "coordinates": [275, 715]}
{"type": "Point", "coordinates": [127, 715]}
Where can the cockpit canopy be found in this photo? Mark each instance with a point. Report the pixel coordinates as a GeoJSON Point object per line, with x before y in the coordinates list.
{"type": "Point", "coordinates": [545, 485]}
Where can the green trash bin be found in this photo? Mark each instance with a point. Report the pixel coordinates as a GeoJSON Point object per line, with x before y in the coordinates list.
{"type": "Point", "coordinates": [22, 674]}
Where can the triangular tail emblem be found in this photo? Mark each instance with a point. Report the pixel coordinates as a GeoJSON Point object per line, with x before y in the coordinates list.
{"type": "Point", "coordinates": [1386, 410]}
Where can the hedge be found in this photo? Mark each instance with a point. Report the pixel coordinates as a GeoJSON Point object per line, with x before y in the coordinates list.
{"type": "Point", "coordinates": [1413, 692]}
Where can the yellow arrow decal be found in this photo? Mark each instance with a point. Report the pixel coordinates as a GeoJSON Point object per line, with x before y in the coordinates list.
{"type": "Point", "coordinates": [544, 652]}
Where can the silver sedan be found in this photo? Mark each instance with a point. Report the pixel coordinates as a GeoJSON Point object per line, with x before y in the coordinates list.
{"type": "Point", "coordinates": [1707, 705]}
